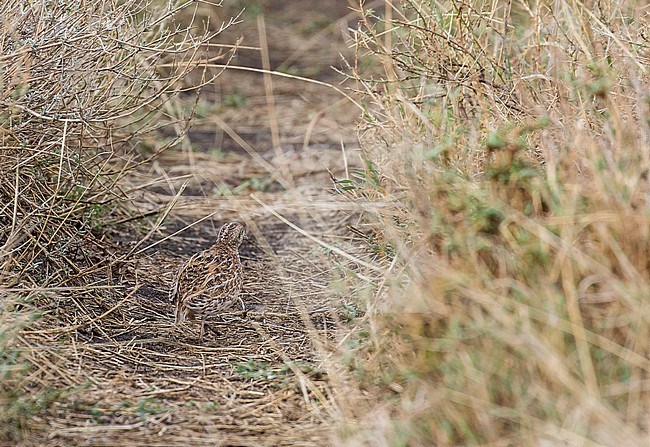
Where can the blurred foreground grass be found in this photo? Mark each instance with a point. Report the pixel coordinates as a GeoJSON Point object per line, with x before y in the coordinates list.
{"type": "Point", "coordinates": [513, 138]}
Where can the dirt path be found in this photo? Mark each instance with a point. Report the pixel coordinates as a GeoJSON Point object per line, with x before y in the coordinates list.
{"type": "Point", "coordinates": [260, 380]}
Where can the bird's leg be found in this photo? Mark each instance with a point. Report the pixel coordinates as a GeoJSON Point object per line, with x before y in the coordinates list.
{"type": "Point", "coordinates": [202, 331]}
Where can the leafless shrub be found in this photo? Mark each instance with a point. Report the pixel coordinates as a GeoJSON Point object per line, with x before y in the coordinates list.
{"type": "Point", "coordinates": [81, 86]}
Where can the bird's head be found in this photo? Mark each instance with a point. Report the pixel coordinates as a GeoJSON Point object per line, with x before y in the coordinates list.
{"type": "Point", "coordinates": [232, 234]}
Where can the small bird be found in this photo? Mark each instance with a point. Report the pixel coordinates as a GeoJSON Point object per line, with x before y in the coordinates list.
{"type": "Point", "coordinates": [210, 281]}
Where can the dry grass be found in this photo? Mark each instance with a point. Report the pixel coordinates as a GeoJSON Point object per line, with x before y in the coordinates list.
{"type": "Point", "coordinates": [97, 216]}
{"type": "Point", "coordinates": [83, 88]}
{"type": "Point", "coordinates": [142, 377]}
{"type": "Point", "coordinates": [499, 295]}
{"type": "Point", "coordinates": [514, 139]}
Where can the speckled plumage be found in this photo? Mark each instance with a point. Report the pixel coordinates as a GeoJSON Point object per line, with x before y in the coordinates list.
{"type": "Point", "coordinates": [210, 281]}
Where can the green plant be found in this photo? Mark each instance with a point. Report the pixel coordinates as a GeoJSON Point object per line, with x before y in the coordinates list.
{"type": "Point", "coordinates": [235, 100]}
{"type": "Point", "coordinates": [253, 370]}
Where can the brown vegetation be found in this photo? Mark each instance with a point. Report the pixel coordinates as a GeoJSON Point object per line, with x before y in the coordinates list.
{"type": "Point", "coordinates": [476, 274]}
{"type": "Point", "coordinates": [98, 215]}
{"type": "Point", "coordinates": [514, 140]}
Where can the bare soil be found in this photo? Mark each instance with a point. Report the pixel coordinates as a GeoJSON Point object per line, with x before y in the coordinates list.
{"type": "Point", "coordinates": [132, 378]}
